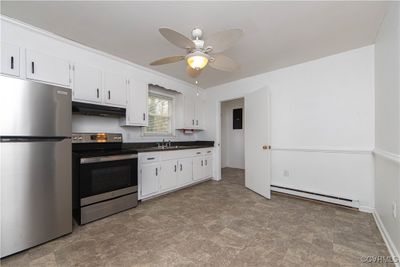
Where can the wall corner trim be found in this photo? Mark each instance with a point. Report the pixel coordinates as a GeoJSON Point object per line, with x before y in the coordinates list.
{"type": "Point", "coordinates": [387, 155]}
{"type": "Point", "coordinates": [386, 237]}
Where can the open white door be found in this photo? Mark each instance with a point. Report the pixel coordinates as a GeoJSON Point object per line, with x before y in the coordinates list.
{"type": "Point", "coordinates": [257, 138]}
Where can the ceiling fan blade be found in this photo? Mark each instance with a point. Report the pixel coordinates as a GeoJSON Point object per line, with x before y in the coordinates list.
{"type": "Point", "coordinates": [192, 72]}
{"type": "Point", "coordinates": [167, 60]}
{"type": "Point", "coordinates": [223, 40]}
{"type": "Point", "coordinates": [177, 39]}
{"type": "Point", "coordinates": [224, 63]}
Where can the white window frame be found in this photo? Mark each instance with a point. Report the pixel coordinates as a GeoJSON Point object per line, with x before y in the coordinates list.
{"type": "Point", "coordinates": [173, 101]}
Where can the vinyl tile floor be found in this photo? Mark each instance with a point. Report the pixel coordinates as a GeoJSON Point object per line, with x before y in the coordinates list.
{"type": "Point", "coordinates": [217, 224]}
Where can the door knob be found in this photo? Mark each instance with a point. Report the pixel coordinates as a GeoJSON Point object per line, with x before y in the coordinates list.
{"type": "Point", "coordinates": [265, 147]}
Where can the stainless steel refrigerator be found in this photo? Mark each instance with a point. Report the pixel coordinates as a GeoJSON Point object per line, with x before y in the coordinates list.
{"type": "Point", "coordinates": [35, 163]}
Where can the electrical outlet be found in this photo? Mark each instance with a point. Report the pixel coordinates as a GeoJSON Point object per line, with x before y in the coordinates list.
{"type": "Point", "coordinates": [394, 209]}
{"type": "Point", "coordinates": [286, 173]}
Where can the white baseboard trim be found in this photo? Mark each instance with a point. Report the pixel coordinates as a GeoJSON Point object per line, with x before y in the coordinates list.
{"type": "Point", "coordinates": [366, 209]}
{"type": "Point", "coordinates": [340, 150]}
{"type": "Point", "coordinates": [386, 237]}
{"type": "Point", "coordinates": [352, 204]}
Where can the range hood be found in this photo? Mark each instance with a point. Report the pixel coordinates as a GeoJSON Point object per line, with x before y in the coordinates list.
{"type": "Point", "coordinates": [97, 110]}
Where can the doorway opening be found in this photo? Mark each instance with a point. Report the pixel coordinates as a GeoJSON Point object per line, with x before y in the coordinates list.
{"type": "Point", "coordinates": [232, 141]}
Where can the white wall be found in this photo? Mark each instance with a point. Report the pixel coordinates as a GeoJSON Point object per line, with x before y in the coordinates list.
{"type": "Point", "coordinates": [322, 116]}
{"type": "Point", "coordinates": [232, 140]}
{"type": "Point", "coordinates": [387, 131]}
{"type": "Point", "coordinates": [26, 36]}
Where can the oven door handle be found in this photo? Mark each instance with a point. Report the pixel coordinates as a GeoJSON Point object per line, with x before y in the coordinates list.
{"type": "Point", "coordinates": [108, 158]}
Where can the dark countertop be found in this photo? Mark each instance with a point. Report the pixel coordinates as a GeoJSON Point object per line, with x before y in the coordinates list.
{"type": "Point", "coordinates": [152, 146]}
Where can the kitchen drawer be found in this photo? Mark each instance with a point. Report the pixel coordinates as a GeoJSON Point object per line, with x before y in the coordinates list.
{"type": "Point", "coordinates": [149, 157]}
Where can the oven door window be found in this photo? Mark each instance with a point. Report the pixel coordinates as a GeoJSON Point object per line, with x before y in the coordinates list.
{"type": "Point", "coordinates": [103, 177]}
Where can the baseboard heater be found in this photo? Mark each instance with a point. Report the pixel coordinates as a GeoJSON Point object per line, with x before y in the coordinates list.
{"type": "Point", "coordinates": [321, 197]}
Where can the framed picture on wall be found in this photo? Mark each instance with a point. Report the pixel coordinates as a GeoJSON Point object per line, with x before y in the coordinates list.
{"type": "Point", "coordinates": [237, 118]}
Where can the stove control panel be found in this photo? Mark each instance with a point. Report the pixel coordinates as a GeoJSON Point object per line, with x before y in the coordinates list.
{"type": "Point", "coordinates": [96, 138]}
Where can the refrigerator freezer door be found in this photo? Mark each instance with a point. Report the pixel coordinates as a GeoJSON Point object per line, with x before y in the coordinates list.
{"type": "Point", "coordinates": [34, 109]}
{"type": "Point", "coordinates": [36, 197]}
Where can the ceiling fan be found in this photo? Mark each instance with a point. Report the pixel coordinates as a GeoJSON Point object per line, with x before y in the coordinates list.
{"type": "Point", "coordinates": [199, 52]}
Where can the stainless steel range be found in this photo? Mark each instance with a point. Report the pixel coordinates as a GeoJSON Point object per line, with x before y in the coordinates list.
{"type": "Point", "coordinates": [104, 176]}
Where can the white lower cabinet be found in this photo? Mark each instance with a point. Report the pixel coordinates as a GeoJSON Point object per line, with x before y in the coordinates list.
{"type": "Point", "coordinates": [160, 172]}
{"type": "Point", "coordinates": [198, 168]}
{"type": "Point", "coordinates": [168, 175]}
{"type": "Point", "coordinates": [202, 167]}
{"type": "Point", "coordinates": [185, 171]}
{"type": "Point", "coordinates": [149, 174]}
{"type": "Point", "coordinates": [208, 166]}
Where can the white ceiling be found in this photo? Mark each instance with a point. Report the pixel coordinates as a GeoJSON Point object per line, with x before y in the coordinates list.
{"type": "Point", "coordinates": [276, 34]}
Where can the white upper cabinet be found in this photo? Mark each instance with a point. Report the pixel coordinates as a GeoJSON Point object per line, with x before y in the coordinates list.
{"type": "Point", "coordinates": [189, 112]}
{"type": "Point", "coordinates": [87, 84]}
{"type": "Point", "coordinates": [190, 116]}
{"type": "Point", "coordinates": [115, 87]}
{"type": "Point", "coordinates": [199, 111]}
{"type": "Point", "coordinates": [49, 69]}
{"type": "Point", "coordinates": [136, 110]}
{"type": "Point", "coordinates": [10, 59]}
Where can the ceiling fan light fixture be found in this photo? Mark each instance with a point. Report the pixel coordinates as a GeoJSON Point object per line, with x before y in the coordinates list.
{"type": "Point", "coordinates": [197, 60]}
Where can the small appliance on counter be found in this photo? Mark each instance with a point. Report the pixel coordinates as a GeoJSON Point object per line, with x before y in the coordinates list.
{"type": "Point", "coordinates": [104, 176]}
{"type": "Point", "coordinates": [35, 163]}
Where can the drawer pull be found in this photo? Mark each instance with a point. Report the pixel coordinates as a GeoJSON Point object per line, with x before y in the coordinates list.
{"type": "Point", "coordinates": [150, 158]}
{"type": "Point", "coordinates": [198, 153]}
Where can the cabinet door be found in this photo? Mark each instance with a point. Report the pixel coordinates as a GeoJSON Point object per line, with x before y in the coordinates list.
{"type": "Point", "coordinates": [87, 84]}
{"type": "Point", "coordinates": [10, 59]}
{"type": "Point", "coordinates": [199, 113]}
{"type": "Point", "coordinates": [198, 168]}
{"type": "Point", "coordinates": [169, 172]}
{"type": "Point", "coordinates": [137, 103]}
{"type": "Point", "coordinates": [41, 67]}
{"type": "Point", "coordinates": [115, 87]}
{"type": "Point", "coordinates": [208, 167]}
{"type": "Point", "coordinates": [189, 112]}
{"type": "Point", "coordinates": [149, 179]}
{"type": "Point", "coordinates": [185, 171]}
